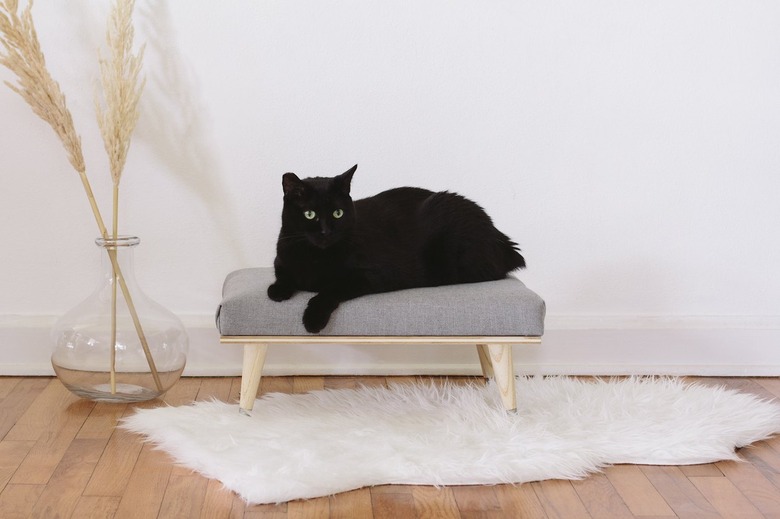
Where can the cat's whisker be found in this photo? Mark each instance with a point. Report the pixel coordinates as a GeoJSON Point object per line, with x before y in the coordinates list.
{"type": "Point", "coordinates": [288, 237]}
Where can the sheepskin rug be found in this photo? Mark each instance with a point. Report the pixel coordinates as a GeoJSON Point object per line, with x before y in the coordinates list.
{"type": "Point", "coordinates": [329, 441]}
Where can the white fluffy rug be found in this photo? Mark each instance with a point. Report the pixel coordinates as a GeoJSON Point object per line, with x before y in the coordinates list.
{"type": "Point", "coordinates": [324, 442]}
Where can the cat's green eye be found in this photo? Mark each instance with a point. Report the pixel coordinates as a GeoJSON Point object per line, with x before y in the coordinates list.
{"type": "Point", "coordinates": [309, 215]}
{"type": "Point", "coordinates": [338, 213]}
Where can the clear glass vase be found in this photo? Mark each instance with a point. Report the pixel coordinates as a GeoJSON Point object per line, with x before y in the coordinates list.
{"type": "Point", "coordinates": [118, 345]}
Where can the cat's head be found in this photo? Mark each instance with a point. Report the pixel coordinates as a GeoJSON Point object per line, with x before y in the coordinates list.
{"type": "Point", "coordinates": [318, 208]}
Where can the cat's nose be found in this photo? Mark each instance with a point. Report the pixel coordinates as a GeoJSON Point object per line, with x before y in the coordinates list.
{"type": "Point", "coordinates": [324, 227]}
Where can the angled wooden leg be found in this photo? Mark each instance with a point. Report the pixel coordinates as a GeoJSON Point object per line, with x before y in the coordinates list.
{"type": "Point", "coordinates": [254, 358]}
{"type": "Point", "coordinates": [484, 360]}
{"type": "Point", "coordinates": [504, 373]}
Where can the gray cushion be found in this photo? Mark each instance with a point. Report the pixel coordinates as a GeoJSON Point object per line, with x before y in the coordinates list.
{"type": "Point", "coordinates": [493, 308]}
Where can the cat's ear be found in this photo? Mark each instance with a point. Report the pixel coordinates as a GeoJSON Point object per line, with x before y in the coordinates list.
{"type": "Point", "coordinates": [292, 185]}
{"type": "Point", "coordinates": [343, 182]}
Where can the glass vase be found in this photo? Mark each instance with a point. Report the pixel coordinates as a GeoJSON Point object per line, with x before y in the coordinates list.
{"type": "Point", "coordinates": [118, 345]}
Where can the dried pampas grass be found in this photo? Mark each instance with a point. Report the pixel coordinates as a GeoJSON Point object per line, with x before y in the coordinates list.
{"type": "Point", "coordinates": [121, 88]}
{"type": "Point", "coordinates": [22, 55]}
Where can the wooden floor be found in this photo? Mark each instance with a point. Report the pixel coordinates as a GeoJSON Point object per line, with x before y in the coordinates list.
{"type": "Point", "coordinates": [63, 457]}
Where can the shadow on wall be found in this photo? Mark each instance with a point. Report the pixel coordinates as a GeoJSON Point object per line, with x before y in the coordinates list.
{"type": "Point", "coordinates": [176, 128]}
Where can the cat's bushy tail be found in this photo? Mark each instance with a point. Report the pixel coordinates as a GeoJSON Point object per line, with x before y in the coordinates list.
{"type": "Point", "coordinates": [514, 260]}
{"type": "Point", "coordinates": [461, 243]}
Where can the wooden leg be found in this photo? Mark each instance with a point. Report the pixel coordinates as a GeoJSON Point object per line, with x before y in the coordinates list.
{"type": "Point", "coordinates": [254, 358]}
{"type": "Point", "coordinates": [504, 373]}
{"type": "Point", "coordinates": [484, 360]}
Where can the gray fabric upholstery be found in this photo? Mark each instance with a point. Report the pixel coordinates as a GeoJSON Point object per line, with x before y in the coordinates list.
{"type": "Point", "coordinates": [494, 308]}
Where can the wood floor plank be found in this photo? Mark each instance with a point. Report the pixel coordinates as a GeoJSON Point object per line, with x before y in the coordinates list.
{"type": "Point", "coordinates": [254, 514]}
{"type": "Point", "coordinates": [220, 502]}
{"type": "Point", "coordinates": [766, 459]}
{"type": "Point", "coordinates": [67, 483]}
{"type": "Point", "coordinates": [770, 384]}
{"type": "Point", "coordinates": [37, 419]}
{"type": "Point", "coordinates": [747, 385]}
{"type": "Point", "coordinates": [679, 493]}
{"type": "Point", "coordinates": [742, 384]}
{"type": "Point", "coordinates": [371, 382]}
{"type": "Point", "coordinates": [341, 382]}
{"type": "Point", "coordinates": [706, 470]}
{"type": "Point", "coordinates": [268, 510]}
{"type": "Point", "coordinates": [183, 392]}
{"type": "Point", "coordinates": [7, 384]}
{"type": "Point", "coordinates": [12, 453]}
{"type": "Point", "coordinates": [238, 510]}
{"type": "Point", "coordinates": [306, 384]}
{"type": "Point", "coordinates": [214, 388]}
{"type": "Point", "coordinates": [355, 503]}
{"type": "Point", "coordinates": [235, 391]}
{"type": "Point", "coordinates": [773, 442]}
{"type": "Point", "coordinates": [637, 491]}
{"type": "Point", "coordinates": [491, 514]}
{"type": "Point", "coordinates": [318, 508]}
{"type": "Point", "coordinates": [711, 381]}
{"type": "Point", "coordinates": [753, 485]}
{"type": "Point", "coordinates": [66, 416]}
{"type": "Point", "coordinates": [559, 499]}
{"type": "Point", "coordinates": [392, 505]}
{"type": "Point", "coordinates": [399, 380]}
{"type": "Point", "coordinates": [17, 404]}
{"type": "Point", "coordinates": [184, 496]}
{"type": "Point", "coordinates": [600, 497]}
{"type": "Point", "coordinates": [765, 451]}
{"type": "Point", "coordinates": [275, 385]}
{"type": "Point", "coordinates": [18, 501]}
{"type": "Point", "coordinates": [146, 487]}
{"type": "Point", "coordinates": [476, 499]}
{"type": "Point", "coordinates": [101, 422]}
{"type": "Point", "coordinates": [725, 497]}
{"type": "Point", "coordinates": [89, 507]}
{"type": "Point", "coordinates": [116, 464]}
{"type": "Point", "coordinates": [520, 501]}
{"type": "Point", "coordinates": [435, 503]}
{"type": "Point", "coordinates": [392, 489]}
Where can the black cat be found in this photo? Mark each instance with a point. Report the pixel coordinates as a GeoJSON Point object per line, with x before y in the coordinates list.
{"type": "Point", "coordinates": [402, 238]}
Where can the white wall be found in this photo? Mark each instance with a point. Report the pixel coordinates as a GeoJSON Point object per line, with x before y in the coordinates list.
{"type": "Point", "coordinates": [631, 148]}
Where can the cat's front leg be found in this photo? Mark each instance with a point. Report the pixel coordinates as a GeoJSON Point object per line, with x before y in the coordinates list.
{"type": "Point", "coordinates": [321, 306]}
{"type": "Point", "coordinates": [280, 292]}
{"type": "Point", "coordinates": [284, 287]}
{"type": "Point", "coordinates": [318, 311]}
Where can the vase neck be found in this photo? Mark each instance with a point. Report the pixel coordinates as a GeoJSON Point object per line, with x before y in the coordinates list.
{"type": "Point", "coordinates": [120, 242]}
{"type": "Point", "coordinates": [118, 250]}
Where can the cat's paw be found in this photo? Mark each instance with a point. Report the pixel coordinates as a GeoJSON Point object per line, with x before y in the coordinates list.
{"type": "Point", "coordinates": [278, 292]}
{"type": "Point", "coordinates": [317, 314]}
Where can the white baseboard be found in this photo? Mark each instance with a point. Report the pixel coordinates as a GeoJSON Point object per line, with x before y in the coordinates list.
{"type": "Point", "coordinates": [597, 345]}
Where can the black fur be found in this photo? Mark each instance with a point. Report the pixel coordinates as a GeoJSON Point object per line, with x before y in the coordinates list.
{"type": "Point", "coordinates": [402, 238]}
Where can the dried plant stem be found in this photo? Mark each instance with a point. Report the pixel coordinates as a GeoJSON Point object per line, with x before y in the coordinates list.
{"type": "Point", "coordinates": [113, 295]}
{"type": "Point", "coordinates": [122, 283]}
{"type": "Point", "coordinates": [22, 55]}
{"type": "Point", "coordinates": [112, 376]}
{"type": "Point", "coordinates": [134, 315]}
{"type": "Point", "coordinates": [121, 92]}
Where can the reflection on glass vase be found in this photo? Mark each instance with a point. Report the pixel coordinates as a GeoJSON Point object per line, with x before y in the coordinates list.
{"type": "Point", "coordinates": [118, 345]}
